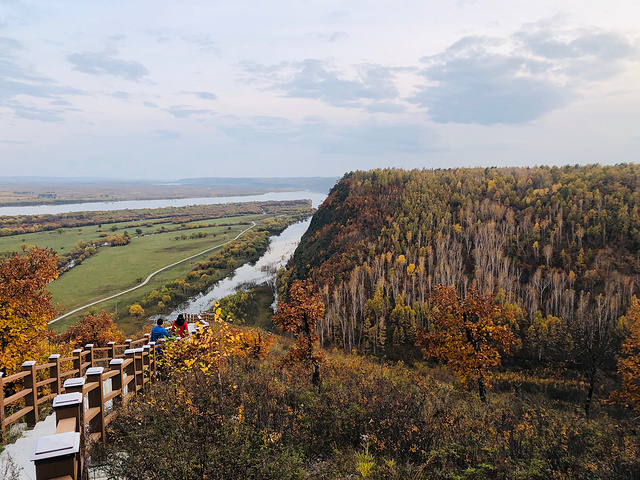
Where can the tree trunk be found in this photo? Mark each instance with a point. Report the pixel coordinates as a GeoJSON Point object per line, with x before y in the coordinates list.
{"type": "Point", "coordinates": [482, 389]}
{"type": "Point", "coordinates": [592, 381]}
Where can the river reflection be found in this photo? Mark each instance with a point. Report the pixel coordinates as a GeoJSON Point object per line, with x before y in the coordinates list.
{"type": "Point", "coordinates": [263, 271]}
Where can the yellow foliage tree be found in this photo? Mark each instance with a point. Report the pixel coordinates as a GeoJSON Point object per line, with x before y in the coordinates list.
{"type": "Point", "coordinates": [25, 307]}
{"type": "Point", "coordinates": [299, 315]}
{"type": "Point", "coordinates": [136, 310]}
{"type": "Point", "coordinates": [214, 346]}
{"type": "Point", "coordinates": [468, 335]}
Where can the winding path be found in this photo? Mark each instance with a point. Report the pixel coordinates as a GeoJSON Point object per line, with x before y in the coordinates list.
{"type": "Point", "coordinates": [151, 275]}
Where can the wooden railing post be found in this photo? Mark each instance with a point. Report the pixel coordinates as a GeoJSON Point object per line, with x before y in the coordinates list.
{"type": "Point", "coordinates": [31, 400]}
{"type": "Point", "coordinates": [146, 363]}
{"type": "Point", "coordinates": [111, 353]}
{"type": "Point", "coordinates": [77, 361]}
{"type": "Point", "coordinates": [154, 360]}
{"type": "Point", "coordinates": [139, 369]}
{"type": "Point", "coordinates": [54, 372]}
{"type": "Point", "coordinates": [57, 456]}
{"type": "Point", "coordinates": [127, 344]}
{"type": "Point", "coordinates": [76, 385]}
{"type": "Point", "coordinates": [96, 400]}
{"type": "Point", "coordinates": [147, 337]}
{"type": "Point", "coordinates": [2, 428]}
{"type": "Point", "coordinates": [89, 347]}
{"type": "Point", "coordinates": [69, 405]}
{"type": "Point", "coordinates": [130, 369]}
{"type": "Point", "coordinates": [117, 382]}
{"type": "Point", "coordinates": [69, 409]}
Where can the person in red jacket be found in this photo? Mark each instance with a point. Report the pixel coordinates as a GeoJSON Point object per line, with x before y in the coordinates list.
{"type": "Point", "coordinates": [179, 327]}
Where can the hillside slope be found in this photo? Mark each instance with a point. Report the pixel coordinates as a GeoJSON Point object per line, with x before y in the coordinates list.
{"type": "Point", "coordinates": [561, 245]}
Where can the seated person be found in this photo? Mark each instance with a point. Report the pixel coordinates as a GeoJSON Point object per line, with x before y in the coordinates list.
{"type": "Point", "coordinates": [179, 327]}
{"type": "Point", "coordinates": [158, 332]}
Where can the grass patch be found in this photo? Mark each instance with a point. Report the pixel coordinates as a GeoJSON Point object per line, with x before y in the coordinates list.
{"type": "Point", "coordinates": [115, 269]}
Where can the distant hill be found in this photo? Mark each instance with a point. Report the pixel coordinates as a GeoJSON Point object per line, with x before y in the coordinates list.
{"type": "Point", "coordinates": [314, 184]}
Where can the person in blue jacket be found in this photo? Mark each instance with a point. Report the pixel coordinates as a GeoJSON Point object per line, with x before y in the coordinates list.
{"type": "Point", "coordinates": [158, 332]}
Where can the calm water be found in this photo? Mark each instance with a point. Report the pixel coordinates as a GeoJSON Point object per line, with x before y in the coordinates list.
{"type": "Point", "coordinates": [316, 199]}
{"type": "Point", "coordinates": [264, 271]}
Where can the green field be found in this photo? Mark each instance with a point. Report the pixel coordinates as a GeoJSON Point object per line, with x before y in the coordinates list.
{"type": "Point", "coordinates": [115, 269]}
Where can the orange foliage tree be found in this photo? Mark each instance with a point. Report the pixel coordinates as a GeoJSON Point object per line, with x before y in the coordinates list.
{"type": "Point", "coordinates": [299, 315]}
{"type": "Point", "coordinates": [97, 329]}
{"type": "Point", "coordinates": [629, 364]}
{"type": "Point", "coordinates": [467, 335]}
{"type": "Point", "coordinates": [25, 306]}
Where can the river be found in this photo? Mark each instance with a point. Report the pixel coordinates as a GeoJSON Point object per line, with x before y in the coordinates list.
{"type": "Point", "coordinates": [316, 199]}
{"type": "Point", "coordinates": [281, 247]}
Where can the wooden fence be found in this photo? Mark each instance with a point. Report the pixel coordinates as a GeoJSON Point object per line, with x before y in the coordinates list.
{"type": "Point", "coordinates": [86, 387]}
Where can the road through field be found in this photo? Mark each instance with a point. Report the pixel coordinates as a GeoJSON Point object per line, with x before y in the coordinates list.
{"type": "Point", "coordinates": [151, 275]}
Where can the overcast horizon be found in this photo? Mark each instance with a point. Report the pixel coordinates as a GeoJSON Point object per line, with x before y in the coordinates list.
{"type": "Point", "coordinates": [163, 90]}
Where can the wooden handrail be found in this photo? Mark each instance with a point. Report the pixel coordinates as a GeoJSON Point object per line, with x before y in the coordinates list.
{"type": "Point", "coordinates": [19, 414]}
{"type": "Point", "coordinates": [44, 382]}
{"type": "Point", "coordinates": [17, 396]}
{"type": "Point", "coordinates": [131, 367]}
{"type": "Point", "coordinates": [43, 366]}
{"type": "Point", "coordinates": [14, 377]}
{"type": "Point", "coordinates": [68, 374]}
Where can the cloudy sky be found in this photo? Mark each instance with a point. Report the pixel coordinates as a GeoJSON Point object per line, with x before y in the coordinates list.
{"type": "Point", "coordinates": [162, 89]}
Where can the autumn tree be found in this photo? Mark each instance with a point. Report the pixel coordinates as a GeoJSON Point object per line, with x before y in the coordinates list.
{"type": "Point", "coordinates": [25, 306]}
{"type": "Point", "coordinates": [136, 310]}
{"type": "Point", "coordinates": [209, 351]}
{"type": "Point", "coordinates": [467, 335]}
{"type": "Point", "coordinates": [299, 315]}
{"type": "Point", "coordinates": [98, 329]}
{"type": "Point", "coordinates": [629, 363]}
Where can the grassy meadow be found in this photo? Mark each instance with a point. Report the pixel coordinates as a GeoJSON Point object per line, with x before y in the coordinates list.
{"type": "Point", "coordinates": [114, 269]}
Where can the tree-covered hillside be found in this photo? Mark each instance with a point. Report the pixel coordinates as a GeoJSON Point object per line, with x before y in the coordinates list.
{"type": "Point", "coordinates": [559, 246]}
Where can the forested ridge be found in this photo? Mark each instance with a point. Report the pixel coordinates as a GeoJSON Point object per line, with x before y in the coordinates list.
{"type": "Point", "coordinates": [558, 246]}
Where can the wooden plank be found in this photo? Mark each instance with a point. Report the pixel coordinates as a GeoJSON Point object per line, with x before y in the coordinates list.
{"type": "Point", "coordinates": [109, 374]}
{"type": "Point", "coordinates": [68, 373]}
{"type": "Point", "coordinates": [17, 415]}
{"type": "Point", "coordinates": [109, 417]}
{"type": "Point", "coordinates": [14, 377]}
{"type": "Point", "coordinates": [45, 382]}
{"type": "Point", "coordinates": [44, 365]}
{"type": "Point", "coordinates": [17, 396]}
{"type": "Point", "coordinates": [66, 425]}
{"type": "Point", "coordinates": [90, 413]}
{"type": "Point", "coordinates": [111, 395]}
{"type": "Point", "coordinates": [88, 387]}
{"type": "Point", "coordinates": [46, 398]}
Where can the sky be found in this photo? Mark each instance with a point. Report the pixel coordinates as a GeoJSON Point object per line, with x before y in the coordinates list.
{"type": "Point", "coordinates": [157, 89]}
